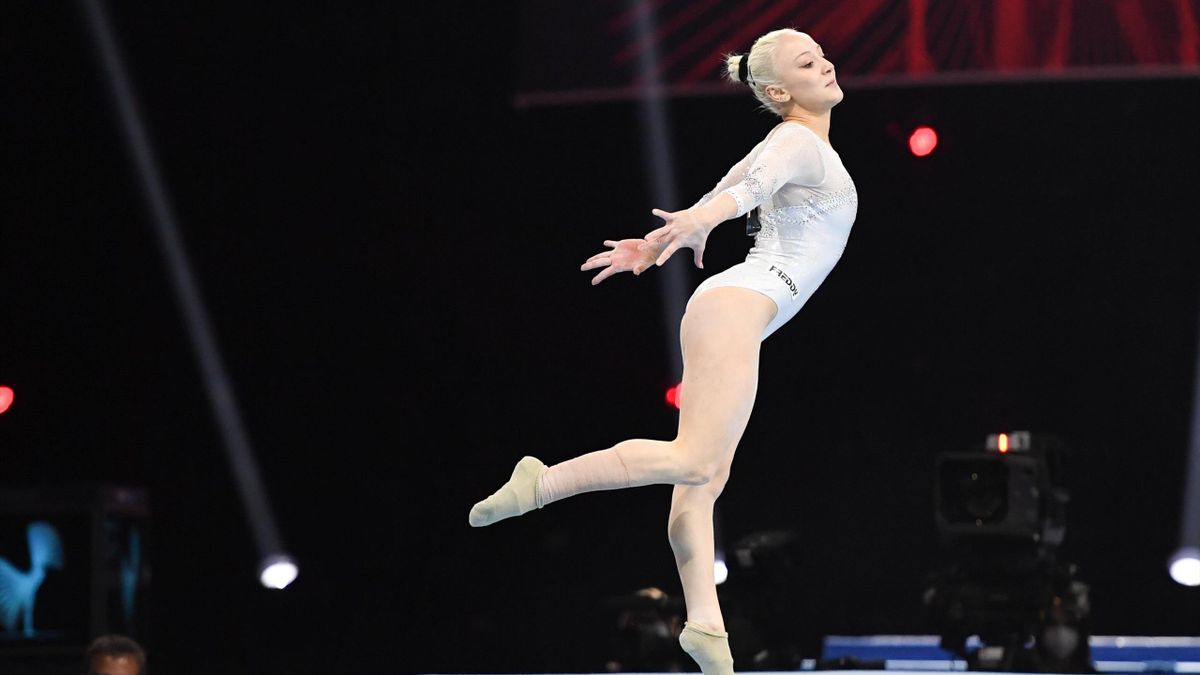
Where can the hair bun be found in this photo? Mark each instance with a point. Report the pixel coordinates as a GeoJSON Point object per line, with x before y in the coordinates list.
{"type": "Point", "coordinates": [744, 69]}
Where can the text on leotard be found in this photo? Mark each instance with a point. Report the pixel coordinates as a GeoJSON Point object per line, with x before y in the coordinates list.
{"type": "Point", "coordinates": [786, 279]}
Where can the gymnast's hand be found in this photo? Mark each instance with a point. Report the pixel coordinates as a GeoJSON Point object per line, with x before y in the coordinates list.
{"type": "Point", "coordinates": [682, 229]}
{"type": "Point", "coordinates": [626, 256]}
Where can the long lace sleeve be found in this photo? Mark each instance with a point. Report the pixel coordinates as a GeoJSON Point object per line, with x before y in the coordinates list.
{"type": "Point", "coordinates": [735, 175]}
{"type": "Point", "coordinates": [789, 155]}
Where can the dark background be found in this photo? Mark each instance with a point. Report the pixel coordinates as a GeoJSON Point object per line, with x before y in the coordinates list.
{"type": "Point", "coordinates": [389, 253]}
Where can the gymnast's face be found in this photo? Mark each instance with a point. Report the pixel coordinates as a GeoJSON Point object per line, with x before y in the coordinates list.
{"type": "Point", "coordinates": [807, 78]}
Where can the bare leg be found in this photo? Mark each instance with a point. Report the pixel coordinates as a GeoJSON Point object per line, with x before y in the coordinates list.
{"type": "Point", "coordinates": [719, 386]}
{"type": "Point", "coordinates": [721, 334]}
{"type": "Point", "coordinates": [690, 531]}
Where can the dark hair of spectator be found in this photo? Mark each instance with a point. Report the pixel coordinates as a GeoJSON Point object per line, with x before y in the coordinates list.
{"type": "Point", "coordinates": [116, 646]}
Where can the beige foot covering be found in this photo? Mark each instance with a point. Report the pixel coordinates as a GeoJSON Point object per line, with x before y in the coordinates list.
{"type": "Point", "coordinates": [709, 650]}
{"type": "Point", "coordinates": [517, 496]}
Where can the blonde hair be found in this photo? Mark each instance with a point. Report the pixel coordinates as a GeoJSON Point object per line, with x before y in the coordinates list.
{"type": "Point", "coordinates": [761, 65]}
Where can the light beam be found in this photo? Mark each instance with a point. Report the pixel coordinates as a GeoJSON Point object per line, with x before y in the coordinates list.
{"type": "Point", "coordinates": [208, 358]}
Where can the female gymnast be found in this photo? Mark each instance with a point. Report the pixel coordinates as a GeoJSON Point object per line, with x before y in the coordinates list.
{"type": "Point", "coordinates": [801, 203]}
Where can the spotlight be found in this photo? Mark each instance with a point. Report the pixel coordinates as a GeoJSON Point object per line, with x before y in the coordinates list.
{"type": "Point", "coordinates": [277, 571]}
{"type": "Point", "coordinates": [1185, 566]}
{"type": "Point", "coordinates": [720, 569]}
{"type": "Point", "coordinates": [6, 398]}
{"type": "Point", "coordinates": [673, 395]}
{"type": "Point", "coordinates": [922, 141]}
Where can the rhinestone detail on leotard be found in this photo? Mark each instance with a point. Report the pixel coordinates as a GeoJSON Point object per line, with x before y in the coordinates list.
{"type": "Point", "coordinates": [795, 217]}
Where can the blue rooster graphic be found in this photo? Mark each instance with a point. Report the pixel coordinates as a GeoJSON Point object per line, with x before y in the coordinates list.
{"type": "Point", "coordinates": [18, 589]}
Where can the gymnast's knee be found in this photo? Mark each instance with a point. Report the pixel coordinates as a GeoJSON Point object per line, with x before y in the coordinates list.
{"type": "Point", "coordinates": [696, 464]}
{"type": "Point", "coordinates": [698, 471]}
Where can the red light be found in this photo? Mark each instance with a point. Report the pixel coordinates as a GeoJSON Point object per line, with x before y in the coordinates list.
{"type": "Point", "coordinates": [922, 141]}
{"type": "Point", "coordinates": [6, 398]}
{"type": "Point", "coordinates": [1002, 443]}
{"type": "Point", "coordinates": [673, 395]}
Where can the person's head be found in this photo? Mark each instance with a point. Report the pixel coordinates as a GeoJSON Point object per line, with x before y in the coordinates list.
{"type": "Point", "coordinates": [115, 655]}
{"type": "Point", "coordinates": [788, 73]}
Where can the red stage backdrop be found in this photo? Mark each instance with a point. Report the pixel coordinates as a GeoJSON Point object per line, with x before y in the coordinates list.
{"type": "Point", "coordinates": [590, 51]}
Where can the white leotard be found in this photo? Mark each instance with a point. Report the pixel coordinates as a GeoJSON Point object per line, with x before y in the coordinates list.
{"type": "Point", "coordinates": [807, 206]}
